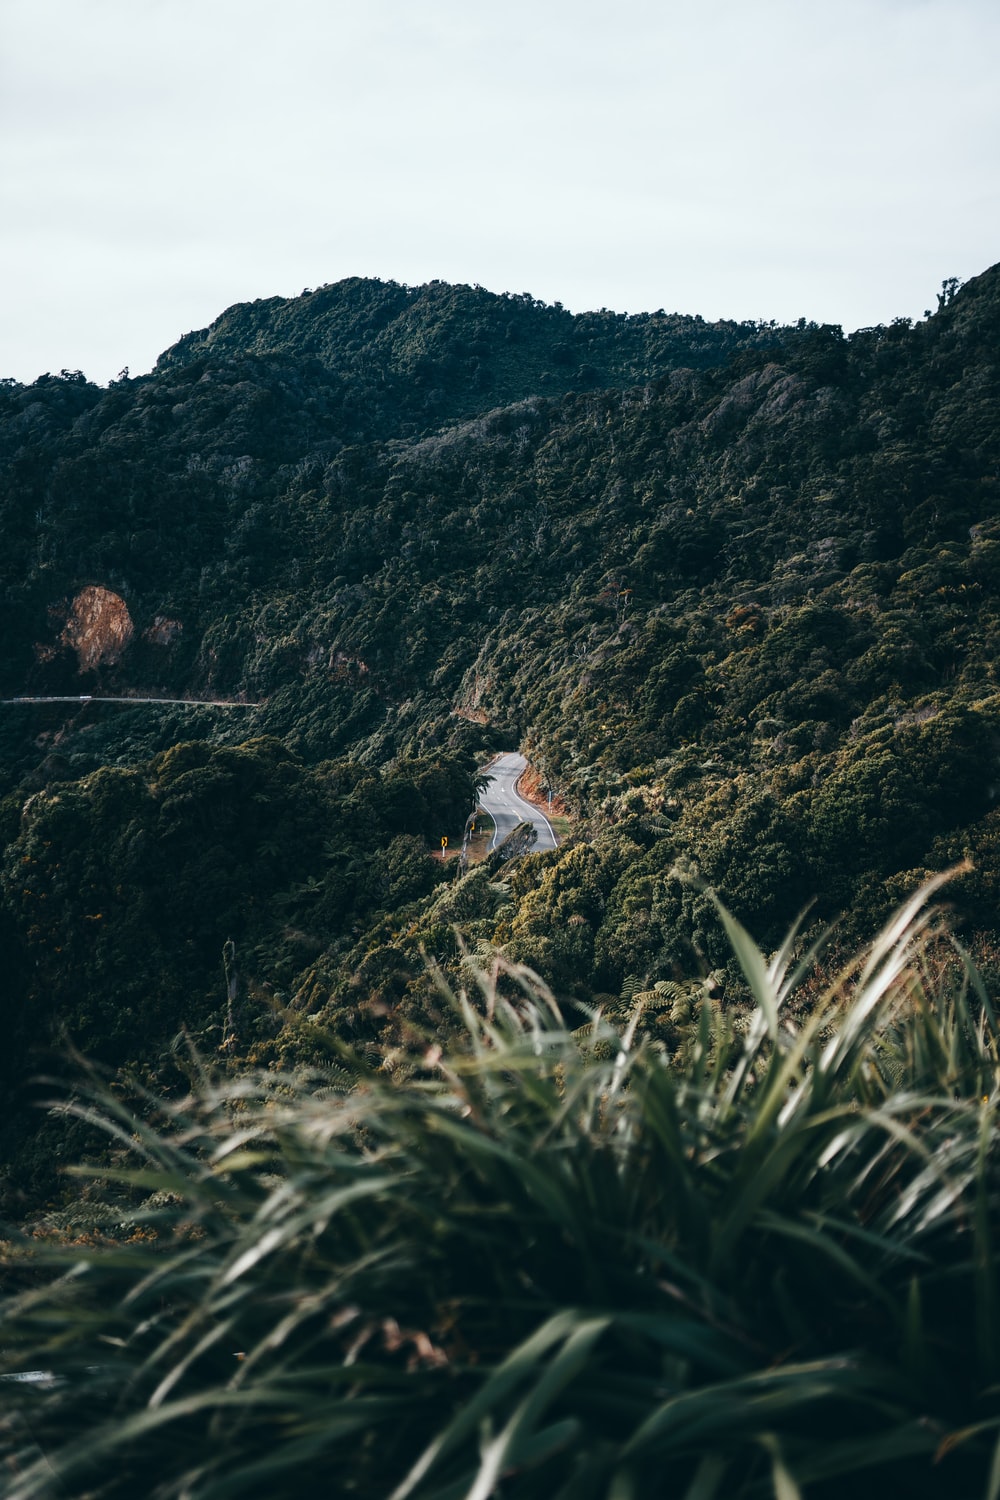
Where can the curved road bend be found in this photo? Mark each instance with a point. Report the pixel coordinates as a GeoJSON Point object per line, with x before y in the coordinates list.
{"type": "Point", "coordinates": [507, 808]}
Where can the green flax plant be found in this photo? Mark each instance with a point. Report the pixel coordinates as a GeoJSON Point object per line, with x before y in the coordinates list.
{"type": "Point", "coordinates": [543, 1267]}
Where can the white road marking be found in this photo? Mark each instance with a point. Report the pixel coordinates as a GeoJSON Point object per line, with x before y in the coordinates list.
{"type": "Point", "coordinates": [507, 807]}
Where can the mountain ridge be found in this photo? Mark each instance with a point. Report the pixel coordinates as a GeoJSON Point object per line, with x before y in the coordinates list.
{"type": "Point", "coordinates": [744, 617]}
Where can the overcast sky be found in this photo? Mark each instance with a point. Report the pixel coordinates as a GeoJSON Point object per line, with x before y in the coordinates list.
{"type": "Point", "coordinates": [162, 159]}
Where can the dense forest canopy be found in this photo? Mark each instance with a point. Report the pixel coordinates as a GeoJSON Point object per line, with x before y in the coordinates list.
{"type": "Point", "coordinates": [732, 586]}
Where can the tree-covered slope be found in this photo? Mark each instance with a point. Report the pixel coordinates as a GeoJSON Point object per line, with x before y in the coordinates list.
{"type": "Point", "coordinates": [181, 488]}
{"type": "Point", "coordinates": [401, 358]}
{"type": "Point", "coordinates": [734, 587]}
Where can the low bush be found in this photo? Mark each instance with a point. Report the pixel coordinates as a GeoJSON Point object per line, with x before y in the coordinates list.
{"type": "Point", "coordinates": [549, 1263]}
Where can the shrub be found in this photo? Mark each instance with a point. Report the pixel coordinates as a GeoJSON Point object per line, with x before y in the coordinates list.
{"type": "Point", "coordinates": [550, 1264]}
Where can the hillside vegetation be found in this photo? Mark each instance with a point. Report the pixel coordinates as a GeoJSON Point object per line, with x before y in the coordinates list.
{"type": "Point", "coordinates": [733, 587]}
{"type": "Point", "coordinates": [551, 1264]}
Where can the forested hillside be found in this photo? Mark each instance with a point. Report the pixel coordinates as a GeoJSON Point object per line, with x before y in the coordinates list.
{"type": "Point", "coordinates": [733, 587]}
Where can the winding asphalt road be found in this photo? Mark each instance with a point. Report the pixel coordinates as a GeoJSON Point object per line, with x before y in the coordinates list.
{"type": "Point", "coordinates": [507, 808]}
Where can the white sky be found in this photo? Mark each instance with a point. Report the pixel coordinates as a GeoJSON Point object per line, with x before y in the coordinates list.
{"type": "Point", "coordinates": [162, 159]}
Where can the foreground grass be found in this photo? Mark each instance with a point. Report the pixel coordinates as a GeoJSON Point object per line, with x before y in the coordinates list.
{"type": "Point", "coordinates": [552, 1265]}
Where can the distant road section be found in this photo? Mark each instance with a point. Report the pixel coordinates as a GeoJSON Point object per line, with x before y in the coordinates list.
{"type": "Point", "coordinates": [507, 808]}
{"type": "Point", "coordinates": [94, 698]}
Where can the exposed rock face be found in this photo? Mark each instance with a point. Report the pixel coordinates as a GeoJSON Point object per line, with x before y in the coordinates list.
{"type": "Point", "coordinates": [162, 631]}
{"type": "Point", "coordinates": [98, 629]}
